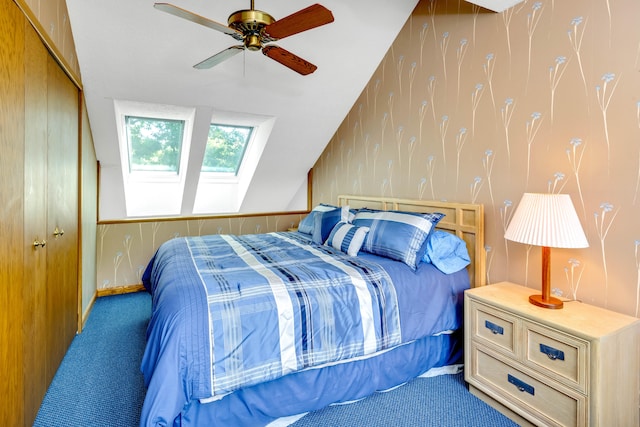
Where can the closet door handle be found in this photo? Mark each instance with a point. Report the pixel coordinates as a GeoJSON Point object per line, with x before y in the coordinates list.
{"type": "Point", "coordinates": [37, 243]}
{"type": "Point", "coordinates": [58, 232]}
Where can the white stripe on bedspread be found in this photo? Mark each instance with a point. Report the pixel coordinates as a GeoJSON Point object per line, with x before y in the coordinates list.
{"type": "Point", "coordinates": [364, 297]}
{"type": "Point", "coordinates": [283, 303]}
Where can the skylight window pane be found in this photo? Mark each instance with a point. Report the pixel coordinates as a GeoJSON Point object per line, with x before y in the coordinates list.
{"type": "Point", "coordinates": [154, 144]}
{"type": "Point", "coordinates": [225, 149]}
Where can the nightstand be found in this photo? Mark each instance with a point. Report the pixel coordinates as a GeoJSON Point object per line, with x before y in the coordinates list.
{"type": "Point", "coordinates": [577, 366]}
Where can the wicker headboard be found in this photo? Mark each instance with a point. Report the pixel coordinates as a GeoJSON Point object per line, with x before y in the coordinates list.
{"type": "Point", "coordinates": [465, 220]}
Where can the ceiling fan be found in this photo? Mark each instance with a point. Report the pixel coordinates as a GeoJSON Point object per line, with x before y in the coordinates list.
{"type": "Point", "coordinates": [255, 28]}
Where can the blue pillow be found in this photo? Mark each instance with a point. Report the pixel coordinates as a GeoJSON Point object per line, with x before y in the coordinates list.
{"type": "Point", "coordinates": [324, 223]}
{"type": "Point", "coordinates": [347, 237]}
{"type": "Point", "coordinates": [396, 234]}
{"type": "Point", "coordinates": [447, 252]}
{"type": "Point", "coordinates": [308, 223]}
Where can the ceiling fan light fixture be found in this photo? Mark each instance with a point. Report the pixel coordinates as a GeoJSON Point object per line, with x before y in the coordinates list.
{"type": "Point", "coordinates": [252, 42]}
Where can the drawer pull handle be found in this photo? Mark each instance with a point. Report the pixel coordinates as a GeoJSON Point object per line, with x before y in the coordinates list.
{"type": "Point", "coordinates": [552, 353]}
{"type": "Point", "coordinates": [521, 385]}
{"type": "Point", "coordinates": [495, 329]}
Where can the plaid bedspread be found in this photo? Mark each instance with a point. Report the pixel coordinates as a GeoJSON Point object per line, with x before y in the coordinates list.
{"type": "Point", "coordinates": [278, 305]}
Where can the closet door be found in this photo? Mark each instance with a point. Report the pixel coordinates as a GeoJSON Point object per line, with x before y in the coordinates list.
{"type": "Point", "coordinates": [62, 213]}
{"type": "Point", "coordinates": [36, 377]}
{"type": "Point", "coordinates": [11, 211]}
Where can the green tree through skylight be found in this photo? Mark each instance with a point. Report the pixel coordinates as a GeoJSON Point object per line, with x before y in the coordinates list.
{"type": "Point", "coordinates": [225, 148]}
{"type": "Point", "coordinates": [154, 144]}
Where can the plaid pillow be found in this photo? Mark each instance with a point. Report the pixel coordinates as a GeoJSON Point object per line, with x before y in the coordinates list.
{"type": "Point", "coordinates": [396, 234]}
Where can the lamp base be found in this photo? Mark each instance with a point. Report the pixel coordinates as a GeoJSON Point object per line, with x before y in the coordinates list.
{"type": "Point", "coordinates": [550, 302]}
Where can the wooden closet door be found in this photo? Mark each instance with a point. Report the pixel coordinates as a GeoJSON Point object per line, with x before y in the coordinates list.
{"type": "Point", "coordinates": [11, 211]}
{"type": "Point", "coordinates": [36, 378]}
{"type": "Point", "coordinates": [62, 213]}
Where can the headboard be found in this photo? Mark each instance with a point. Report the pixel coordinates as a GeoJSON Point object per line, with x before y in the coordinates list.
{"type": "Point", "coordinates": [465, 220]}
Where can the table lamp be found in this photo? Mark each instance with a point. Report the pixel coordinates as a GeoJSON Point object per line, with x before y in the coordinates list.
{"type": "Point", "coordinates": [550, 221]}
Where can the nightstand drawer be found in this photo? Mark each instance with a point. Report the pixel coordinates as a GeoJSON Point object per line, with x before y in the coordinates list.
{"type": "Point", "coordinates": [553, 352]}
{"type": "Point", "coordinates": [494, 327]}
{"type": "Point", "coordinates": [532, 398]}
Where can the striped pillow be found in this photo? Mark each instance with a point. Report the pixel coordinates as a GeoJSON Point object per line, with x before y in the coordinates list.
{"type": "Point", "coordinates": [347, 237]}
{"type": "Point", "coordinates": [396, 234]}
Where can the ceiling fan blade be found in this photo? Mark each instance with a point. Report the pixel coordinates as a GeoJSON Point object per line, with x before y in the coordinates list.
{"type": "Point", "coordinates": [219, 57]}
{"type": "Point", "coordinates": [302, 20]}
{"type": "Point", "coordinates": [288, 59]}
{"type": "Point", "coordinates": [190, 16]}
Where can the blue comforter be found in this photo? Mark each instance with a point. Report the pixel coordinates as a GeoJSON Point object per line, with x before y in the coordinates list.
{"type": "Point", "coordinates": [233, 311]}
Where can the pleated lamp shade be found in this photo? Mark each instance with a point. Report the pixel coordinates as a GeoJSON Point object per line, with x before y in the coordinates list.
{"type": "Point", "coordinates": [546, 220]}
{"type": "Point", "coordinates": [549, 221]}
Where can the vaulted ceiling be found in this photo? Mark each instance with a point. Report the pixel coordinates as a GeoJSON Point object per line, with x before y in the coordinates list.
{"type": "Point", "coordinates": [130, 51]}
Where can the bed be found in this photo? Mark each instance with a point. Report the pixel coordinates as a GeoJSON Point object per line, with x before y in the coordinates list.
{"type": "Point", "coordinates": [247, 330]}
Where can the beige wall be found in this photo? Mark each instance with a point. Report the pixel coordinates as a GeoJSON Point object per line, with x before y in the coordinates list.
{"type": "Point", "coordinates": [51, 20]}
{"type": "Point", "coordinates": [124, 249]}
{"type": "Point", "coordinates": [475, 106]}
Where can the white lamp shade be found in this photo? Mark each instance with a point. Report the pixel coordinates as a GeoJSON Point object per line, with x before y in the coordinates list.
{"type": "Point", "coordinates": [546, 220]}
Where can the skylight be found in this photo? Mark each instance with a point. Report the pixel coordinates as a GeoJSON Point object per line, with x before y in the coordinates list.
{"type": "Point", "coordinates": [154, 144]}
{"type": "Point", "coordinates": [181, 161]}
{"type": "Point", "coordinates": [225, 148]}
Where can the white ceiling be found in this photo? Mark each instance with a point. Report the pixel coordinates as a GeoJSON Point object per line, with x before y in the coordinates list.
{"type": "Point", "coordinates": [130, 51]}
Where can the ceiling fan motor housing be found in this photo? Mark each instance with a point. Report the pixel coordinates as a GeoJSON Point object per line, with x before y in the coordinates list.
{"type": "Point", "coordinates": [251, 23]}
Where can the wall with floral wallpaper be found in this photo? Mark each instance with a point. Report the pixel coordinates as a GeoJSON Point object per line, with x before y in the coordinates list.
{"type": "Point", "coordinates": [51, 19]}
{"type": "Point", "coordinates": [474, 106]}
{"type": "Point", "coordinates": [124, 249]}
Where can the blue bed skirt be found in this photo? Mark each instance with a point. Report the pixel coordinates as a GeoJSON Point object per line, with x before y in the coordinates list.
{"type": "Point", "coordinates": [314, 389]}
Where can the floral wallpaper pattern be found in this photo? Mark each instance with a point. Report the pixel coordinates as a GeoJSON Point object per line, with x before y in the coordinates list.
{"type": "Point", "coordinates": [474, 106]}
{"type": "Point", "coordinates": [53, 19]}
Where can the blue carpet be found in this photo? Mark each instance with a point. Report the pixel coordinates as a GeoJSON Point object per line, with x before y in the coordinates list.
{"type": "Point", "coordinates": [441, 401]}
{"type": "Point", "coordinates": [99, 384]}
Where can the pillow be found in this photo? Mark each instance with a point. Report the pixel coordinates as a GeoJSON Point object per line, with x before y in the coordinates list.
{"type": "Point", "coordinates": [350, 215]}
{"type": "Point", "coordinates": [324, 223]}
{"type": "Point", "coordinates": [347, 237]}
{"type": "Point", "coordinates": [447, 252]}
{"type": "Point", "coordinates": [307, 224]}
{"type": "Point", "coordinates": [396, 234]}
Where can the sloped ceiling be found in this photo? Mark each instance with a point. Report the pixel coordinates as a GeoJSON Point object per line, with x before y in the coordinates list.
{"type": "Point", "coordinates": [128, 50]}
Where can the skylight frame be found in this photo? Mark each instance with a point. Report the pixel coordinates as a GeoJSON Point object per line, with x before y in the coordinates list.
{"type": "Point", "coordinates": [153, 193]}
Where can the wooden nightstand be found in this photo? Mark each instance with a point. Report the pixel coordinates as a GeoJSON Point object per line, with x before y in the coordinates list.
{"type": "Point", "coordinates": [577, 366]}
